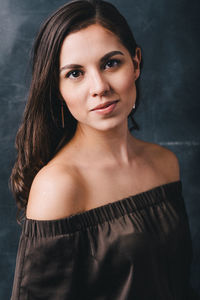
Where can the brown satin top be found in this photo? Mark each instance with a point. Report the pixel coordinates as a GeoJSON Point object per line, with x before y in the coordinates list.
{"type": "Point", "coordinates": [137, 248]}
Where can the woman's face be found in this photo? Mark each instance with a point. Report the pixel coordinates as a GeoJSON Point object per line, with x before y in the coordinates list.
{"type": "Point", "coordinates": [96, 69]}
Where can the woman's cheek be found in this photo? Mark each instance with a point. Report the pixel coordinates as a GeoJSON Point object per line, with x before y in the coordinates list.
{"type": "Point", "coordinates": [74, 101]}
{"type": "Point", "coordinates": [68, 95]}
{"type": "Point", "coordinates": [125, 81]}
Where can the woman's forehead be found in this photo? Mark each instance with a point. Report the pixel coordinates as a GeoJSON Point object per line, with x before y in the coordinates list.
{"type": "Point", "coordinates": [94, 40]}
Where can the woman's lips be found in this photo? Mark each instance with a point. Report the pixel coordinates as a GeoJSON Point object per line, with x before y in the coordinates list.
{"type": "Point", "coordinates": [106, 109]}
{"type": "Point", "coordinates": [104, 105]}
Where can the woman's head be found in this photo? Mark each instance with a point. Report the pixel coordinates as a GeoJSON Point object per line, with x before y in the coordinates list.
{"type": "Point", "coordinates": [41, 134]}
{"type": "Point", "coordinates": [97, 75]}
{"type": "Point", "coordinates": [70, 18]}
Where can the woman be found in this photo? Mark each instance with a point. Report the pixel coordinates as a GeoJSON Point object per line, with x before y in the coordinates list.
{"type": "Point", "coordinates": [104, 213]}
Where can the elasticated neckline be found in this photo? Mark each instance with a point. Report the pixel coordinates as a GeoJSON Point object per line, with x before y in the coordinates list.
{"type": "Point", "coordinates": [107, 212]}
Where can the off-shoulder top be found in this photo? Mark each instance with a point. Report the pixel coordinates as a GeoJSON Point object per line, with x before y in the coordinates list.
{"type": "Point", "coordinates": [136, 248]}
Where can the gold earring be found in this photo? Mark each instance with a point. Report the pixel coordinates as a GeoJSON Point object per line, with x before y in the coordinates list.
{"type": "Point", "coordinates": [62, 115]}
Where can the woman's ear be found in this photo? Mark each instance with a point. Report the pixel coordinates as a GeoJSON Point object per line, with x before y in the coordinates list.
{"type": "Point", "coordinates": [136, 62]}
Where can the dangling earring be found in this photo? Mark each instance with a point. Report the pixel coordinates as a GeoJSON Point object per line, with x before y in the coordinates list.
{"type": "Point", "coordinates": [62, 115]}
{"type": "Point", "coordinates": [134, 106]}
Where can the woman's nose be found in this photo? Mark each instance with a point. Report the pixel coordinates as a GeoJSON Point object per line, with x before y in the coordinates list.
{"type": "Point", "coordinates": [99, 85]}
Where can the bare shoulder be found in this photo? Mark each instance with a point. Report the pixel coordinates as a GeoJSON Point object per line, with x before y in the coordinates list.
{"type": "Point", "coordinates": [163, 160]}
{"type": "Point", "coordinates": [54, 193]}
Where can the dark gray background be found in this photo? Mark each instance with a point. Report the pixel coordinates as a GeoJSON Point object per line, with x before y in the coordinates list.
{"type": "Point", "coordinates": [168, 32]}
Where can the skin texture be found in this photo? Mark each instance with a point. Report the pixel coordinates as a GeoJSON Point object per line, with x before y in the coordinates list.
{"type": "Point", "coordinates": [103, 162]}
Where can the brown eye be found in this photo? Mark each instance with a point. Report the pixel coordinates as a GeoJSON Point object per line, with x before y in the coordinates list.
{"type": "Point", "coordinates": [112, 63]}
{"type": "Point", "coordinates": [74, 74]}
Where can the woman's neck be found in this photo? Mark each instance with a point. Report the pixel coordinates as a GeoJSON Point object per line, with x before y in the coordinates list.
{"type": "Point", "coordinates": [115, 146]}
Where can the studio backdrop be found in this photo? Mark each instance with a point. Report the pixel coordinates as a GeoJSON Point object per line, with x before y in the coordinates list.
{"type": "Point", "coordinates": [169, 111]}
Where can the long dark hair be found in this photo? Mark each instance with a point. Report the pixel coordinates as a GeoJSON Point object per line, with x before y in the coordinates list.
{"type": "Point", "coordinates": [41, 135]}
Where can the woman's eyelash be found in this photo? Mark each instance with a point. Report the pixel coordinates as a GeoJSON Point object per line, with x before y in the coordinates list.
{"type": "Point", "coordinates": [74, 73]}
{"type": "Point", "coordinates": [112, 62]}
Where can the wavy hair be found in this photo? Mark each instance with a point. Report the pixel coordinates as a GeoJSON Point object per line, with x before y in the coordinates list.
{"type": "Point", "coordinates": [41, 135]}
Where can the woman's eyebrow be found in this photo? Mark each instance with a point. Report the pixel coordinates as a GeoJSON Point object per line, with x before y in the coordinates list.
{"type": "Point", "coordinates": [103, 59]}
{"type": "Point", "coordinates": [70, 66]}
{"type": "Point", "coordinates": [109, 55]}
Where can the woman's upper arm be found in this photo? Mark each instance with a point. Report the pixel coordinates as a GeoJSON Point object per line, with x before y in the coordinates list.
{"type": "Point", "coordinates": [53, 195]}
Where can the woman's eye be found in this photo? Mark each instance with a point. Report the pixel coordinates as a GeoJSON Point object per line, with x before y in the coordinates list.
{"type": "Point", "coordinates": [74, 74]}
{"type": "Point", "coordinates": [112, 63]}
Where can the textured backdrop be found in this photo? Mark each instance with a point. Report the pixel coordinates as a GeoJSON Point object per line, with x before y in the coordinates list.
{"type": "Point", "coordinates": [169, 114]}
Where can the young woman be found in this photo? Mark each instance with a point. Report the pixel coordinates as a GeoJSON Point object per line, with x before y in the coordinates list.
{"type": "Point", "coordinates": [104, 214]}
